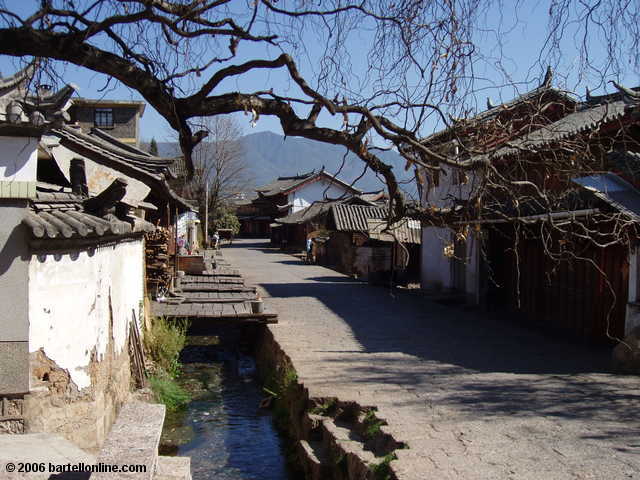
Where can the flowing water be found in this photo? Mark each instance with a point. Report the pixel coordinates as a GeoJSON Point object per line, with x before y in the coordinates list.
{"type": "Point", "coordinates": [223, 429]}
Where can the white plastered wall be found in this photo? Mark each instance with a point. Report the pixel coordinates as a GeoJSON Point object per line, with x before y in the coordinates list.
{"type": "Point", "coordinates": [69, 312]}
{"type": "Point", "coordinates": [435, 268]}
{"type": "Point", "coordinates": [314, 192]}
{"type": "Point", "coordinates": [472, 270]}
{"type": "Point", "coordinates": [18, 159]}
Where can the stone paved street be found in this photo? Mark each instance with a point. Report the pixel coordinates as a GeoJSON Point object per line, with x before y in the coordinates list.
{"type": "Point", "coordinates": [474, 397]}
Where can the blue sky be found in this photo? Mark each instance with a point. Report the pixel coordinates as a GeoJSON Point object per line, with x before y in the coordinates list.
{"type": "Point", "coordinates": [524, 30]}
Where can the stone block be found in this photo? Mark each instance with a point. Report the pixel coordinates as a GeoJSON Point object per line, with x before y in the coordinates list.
{"type": "Point", "coordinates": [12, 407]}
{"type": "Point", "coordinates": [14, 368]}
{"type": "Point", "coordinates": [173, 468]}
{"type": "Point", "coordinates": [134, 440]}
{"type": "Point", "coordinates": [11, 426]}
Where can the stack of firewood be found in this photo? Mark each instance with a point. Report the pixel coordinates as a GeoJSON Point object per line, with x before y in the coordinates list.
{"type": "Point", "coordinates": [157, 260]}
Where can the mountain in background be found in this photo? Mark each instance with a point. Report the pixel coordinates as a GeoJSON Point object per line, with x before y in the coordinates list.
{"type": "Point", "coordinates": [269, 155]}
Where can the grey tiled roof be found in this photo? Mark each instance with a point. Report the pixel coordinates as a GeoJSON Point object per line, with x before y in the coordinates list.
{"type": "Point", "coordinates": [154, 166]}
{"type": "Point", "coordinates": [318, 208]}
{"type": "Point", "coordinates": [353, 218]}
{"type": "Point", "coordinates": [404, 231]}
{"type": "Point", "coordinates": [61, 216]}
{"type": "Point", "coordinates": [17, 79]}
{"type": "Point", "coordinates": [493, 112]}
{"type": "Point", "coordinates": [589, 117]}
{"type": "Point", "coordinates": [286, 184]}
{"type": "Point", "coordinates": [614, 191]}
{"type": "Point", "coordinates": [151, 170]}
{"type": "Point", "coordinates": [282, 184]}
{"type": "Point", "coordinates": [314, 210]}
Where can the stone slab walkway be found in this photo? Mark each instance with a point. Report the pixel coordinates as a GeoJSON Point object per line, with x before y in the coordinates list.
{"type": "Point", "coordinates": [473, 396]}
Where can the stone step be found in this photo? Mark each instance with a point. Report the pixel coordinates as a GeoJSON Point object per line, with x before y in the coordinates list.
{"type": "Point", "coordinates": [347, 451]}
{"type": "Point", "coordinates": [312, 426]}
{"type": "Point", "coordinates": [375, 432]}
{"type": "Point", "coordinates": [314, 460]}
{"type": "Point", "coordinates": [133, 440]}
{"type": "Point", "coordinates": [173, 468]}
{"type": "Point", "coordinates": [46, 450]}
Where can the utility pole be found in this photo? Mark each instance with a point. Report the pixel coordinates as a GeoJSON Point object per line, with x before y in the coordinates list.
{"type": "Point", "coordinates": [206, 216]}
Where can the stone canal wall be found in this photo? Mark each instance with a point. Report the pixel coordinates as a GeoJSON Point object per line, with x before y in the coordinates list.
{"type": "Point", "coordinates": [330, 439]}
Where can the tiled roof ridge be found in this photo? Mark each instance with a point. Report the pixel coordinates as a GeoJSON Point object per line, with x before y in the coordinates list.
{"type": "Point", "coordinates": [539, 90]}
{"type": "Point", "coordinates": [111, 147]}
{"type": "Point", "coordinates": [11, 82]}
{"type": "Point", "coordinates": [102, 135]}
{"type": "Point", "coordinates": [87, 141]}
{"type": "Point", "coordinates": [300, 176]}
{"type": "Point", "coordinates": [594, 100]}
{"type": "Point", "coordinates": [50, 219]}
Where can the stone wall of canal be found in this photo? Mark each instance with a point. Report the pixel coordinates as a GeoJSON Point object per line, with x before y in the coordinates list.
{"type": "Point", "coordinates": [330, 439]}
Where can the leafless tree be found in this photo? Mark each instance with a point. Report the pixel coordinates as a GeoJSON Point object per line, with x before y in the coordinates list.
{"type": "Point", "coordinates": [219, 163]}
{"type": "Point", "coordinates": [367, 74]}
{"type": "Point", "coordinates": [388, 70]}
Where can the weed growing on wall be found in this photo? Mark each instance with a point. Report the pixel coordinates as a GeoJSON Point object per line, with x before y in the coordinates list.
{"type": "Point", "coordinates": [163, 342]}
{"type": "Point", "coordinates": [372, 424]}
{"type": "Point", "coordinates": [326, 407]}
{"type": "Point", "coordinates": [168, 392]}
{"type": "Point", "coordinates": [278, 385]}
{"type": "Point", "coordinates": [382, 470]}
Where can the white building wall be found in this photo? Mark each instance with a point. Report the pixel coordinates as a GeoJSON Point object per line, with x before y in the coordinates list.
{"type": "Point", "coordinates": [474, 256]}
{"type": "Point", "coordinates": [18, 159]}
{"type": "Point", "coordinates": [71, 297]}
{"type": "Point", "coordinates": [314, 192]}
{"type": "Point", "coordinates": [188, 224]}
{"type": "Point", "coordinates": [18, 164]}
{"type": "Point", "coordinates": [436, 270]}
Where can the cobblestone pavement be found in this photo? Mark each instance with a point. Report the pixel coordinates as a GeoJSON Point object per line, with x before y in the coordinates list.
{"type": "Point", "coordinates": [473, 396]}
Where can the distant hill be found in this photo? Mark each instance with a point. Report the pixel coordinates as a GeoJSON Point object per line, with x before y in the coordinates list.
{"type": "Point", "coordinates": [270, 155]}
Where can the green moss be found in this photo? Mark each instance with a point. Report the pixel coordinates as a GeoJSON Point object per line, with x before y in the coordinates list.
{"type": "Point", "coordinates": [382, 470]}
{"type": "Point", "coordinates": [325, 408]}
{"type": "Point", "coordinates": [372, 424]}
{"type": "Point", "coordinates": [279, 385]}
{"type": "Point", "coordinates": [341, 462]}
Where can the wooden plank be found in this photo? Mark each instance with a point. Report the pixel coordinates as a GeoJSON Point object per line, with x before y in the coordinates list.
{"type": "Point", "coordinates": [224, 280]}
{"type": "Point", "coordinates": [244, 309]}
{"type": "Point", "coordinates": [228, 310]}
{"type": "Point", "coordinates": [218, 287]}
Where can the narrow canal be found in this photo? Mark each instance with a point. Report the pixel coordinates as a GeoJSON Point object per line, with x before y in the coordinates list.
{"type": "Point", "coordinates": [223, 429]}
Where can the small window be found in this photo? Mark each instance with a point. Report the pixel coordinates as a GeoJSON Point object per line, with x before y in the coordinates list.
{"type": "Point", "coordinates": [103, 117]}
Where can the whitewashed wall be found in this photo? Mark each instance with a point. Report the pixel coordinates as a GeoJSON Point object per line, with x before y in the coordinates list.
{"type": "Point", "coordinates": [314, 192]}
{"type": "Point", "coordinates": [69, 303]}
{"type": "Point", "coordinates": [18, 159]}
{"type": "Point", "coordinates": [435, 268]}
